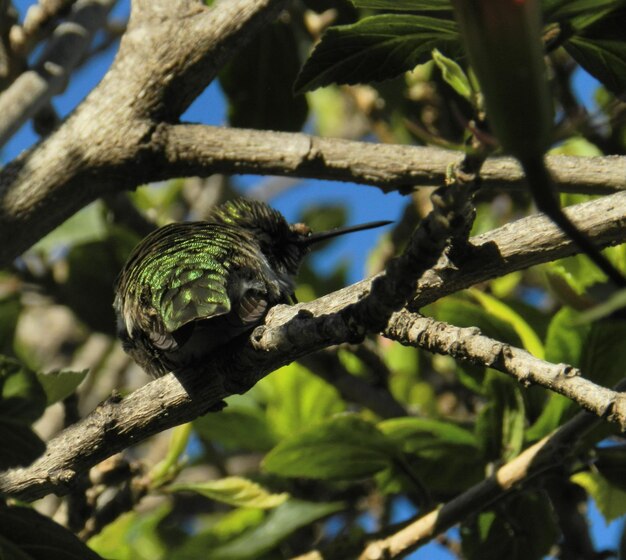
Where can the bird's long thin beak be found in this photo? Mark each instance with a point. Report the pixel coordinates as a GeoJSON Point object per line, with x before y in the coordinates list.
{"type": "Point", "coordinates": [323, 235]}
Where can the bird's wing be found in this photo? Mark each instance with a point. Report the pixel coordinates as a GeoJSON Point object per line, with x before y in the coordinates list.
{"type": "Point", "coordinates": [194, 291]}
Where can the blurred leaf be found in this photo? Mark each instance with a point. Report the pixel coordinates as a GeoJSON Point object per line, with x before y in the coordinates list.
{"type": "Point", "coordinates": [91, 271]}
{"type": "Point", "coordinates": [554, 10]}
{"type": "Point", "coordinates": [38, 537]}
{"type": "Point", "coordinates": [163, 471]}
{"type": "Point", "coordinates": [611, 501]}
{"type": "Point", "coordinates": [330, 109]}
{"type": "Point", "coordinates": [522, 528]}
{"type": "Point", "coordinates": [501, 423]}
{"type": "Point", "coordinates": [614, 303]}
{"type": "Point", "coordinates": [86, 225]}
{"type": "Point", "coordinates": [343, 448]}
{"type": "Point", "coordinates": [237, 428]}
{"type": "Point", "coordinates": [229, 526]}
{"type": "Point", "coordinates": [133, 536]}
{"type": "Point", "coordinates": [59, 385]}
{"type": "Point", "coordinates": [453, 75]}
{"type": "Point", "coordinates": [278, 525]}
{"type": "Point", "coordinates": [404, 5]}
{"type": "Point", "coordinates": [158, 200]}
{"type": "Point", "coordinates": [505, 285]}
{"type": "Point", "coordinates": [576, 146]}
{"type": "Point", "coordinates": [10, 309]}
{"type": "Point", "coordinates": [499, 309]}
{"type": "Point", "coordinates": [235, 491]}
{"type": "Point", "coordinates": [297, 399]}
{"type": "Point", "coordinates": [611, 464]}
{"type": "Point", "coordinates": [260, 90]}
{"type": "Point", "coordinates": [22, 398]}
{"type": "Point", "coordinates": [22, 401]}
{"type": "Point", "coordinates": [375, 48]}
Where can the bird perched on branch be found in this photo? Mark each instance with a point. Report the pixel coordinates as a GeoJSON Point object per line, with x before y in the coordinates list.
{"type": "Point", "coordinates": [187, 289]}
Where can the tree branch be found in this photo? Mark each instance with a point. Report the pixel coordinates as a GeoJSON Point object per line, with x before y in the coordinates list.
{"type": "Point", "coordinates": [34, 89]}
{"type": "Point", "coordinates": [549, 452]}
{"type": "Point", "coordinates": [288, 333]}
{"type": "Point", "coordinates": [184, 150]}
{"type": "Point", "coordinates": [467, 344]}
{"type": "Point", "coordinates": [170, 53]}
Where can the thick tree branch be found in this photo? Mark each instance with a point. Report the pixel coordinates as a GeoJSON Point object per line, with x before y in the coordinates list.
{"type": "Point", "coordinates": [288, 333]}
{"type": "Point", "coordinates": [34, 89]}
{"type": "Point", "coordinates": [184, 150]}
{"type": "Point", "coordinates": [170, 53]}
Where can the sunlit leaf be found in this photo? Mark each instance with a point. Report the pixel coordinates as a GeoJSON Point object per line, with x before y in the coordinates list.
{"type": "Point", "coordinates": [453, 74]}
{"type": "Point", "coordinates": [297, 399]}
{"type": "Point", "coordinates": [375, 48]}
{"type": "Point", "coordinates": [60, 384]}
{"type": "Point", "coordinates": [235, 491]}
{"type": "Point", "coordinates": [345, 447]}
{"type": "Point", "coordinates": [610, 499]}
{"type": "Point", "coordinates": [278, 524]}
{"type": "Point", "coordinates": [499, 309]}
{"type": "Point", "coordinates": [237, 428]}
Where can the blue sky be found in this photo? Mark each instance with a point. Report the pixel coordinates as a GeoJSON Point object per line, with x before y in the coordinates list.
{"type": "Point", "coordinates": [365, 203]}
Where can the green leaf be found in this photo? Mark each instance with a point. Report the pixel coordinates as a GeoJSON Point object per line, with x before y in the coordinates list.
{"type": "Point", "coordinates": [434, 448]}
{"type": "Point", "coordinates": [601, 50]}
{"type": "Point", "coordinates": [453, 75]}
{"type": "Point", "coordinates": [86, 225]}
{"type": "Point", "coordinates": [258, 89]}
{"type": "Point", "coordinates": [237, 428]}
{"type": "Point", "coordinates": [499, 309]}
{"type": "Point", "coordinates": [235, 491]}
{"type": "Point", "coordinates": [403, 5]}
{"type": "Point", "coordinates": [59, 385]}
{"type": "Point", "coordinates": [221, 529]}
{"type": "Point", "coordinates": [22, 401]}
{"type": "Point", "coordinates": [38, 537]}
{"type": "Point", "coordinates": [501, 422]}
{"type": "Point", "coordinates": [166, 469]}
{"type": "Point", "coordinates": [522, 528]}
{"type": "Point", "coordinates": [22, 398]}
{"type": "Point", "coordinates": [611, 501]}
{"type": "Point", "coordinates": [278, 525]}
{"type": "Point", "coordinates": [343, 448]}
{"type": "Point", "coordinates": [375, 48]}
{"type": "Point", "coordinates": [297, 399]}
{"type": "Point", "coordinates": [133, 536]}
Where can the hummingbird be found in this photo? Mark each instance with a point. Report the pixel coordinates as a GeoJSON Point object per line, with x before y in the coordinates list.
{"type": "Point", "coordinates": [187, 289]}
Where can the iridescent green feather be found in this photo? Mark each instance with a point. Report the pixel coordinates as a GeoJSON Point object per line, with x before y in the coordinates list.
{"type": "Point", "coordinates": [183, 273]}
